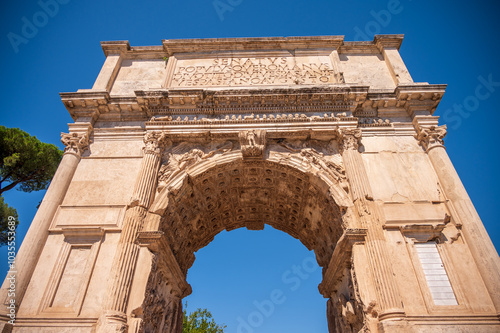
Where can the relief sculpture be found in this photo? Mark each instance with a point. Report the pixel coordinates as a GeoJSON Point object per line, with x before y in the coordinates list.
{"type": "Point", "coordinates": [315, 158]}
{"type": "Point", "coordinates": [161, 310]}
{"type": "Point", "coordinates": [345, 311]}
{"type": "Point", "coordinates": [178, 163]}
{"type": "Point", "coordinates": [252, 143]}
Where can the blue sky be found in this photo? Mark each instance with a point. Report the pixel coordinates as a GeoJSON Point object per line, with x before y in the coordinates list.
{"type": "Point", "coordinates": [451, 42]}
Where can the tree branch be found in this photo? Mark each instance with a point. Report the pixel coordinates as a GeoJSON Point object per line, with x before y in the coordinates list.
{"type": "Point", "coordinates": [13, 184]}
{"type": "Point", "coordinates": [7, 176]}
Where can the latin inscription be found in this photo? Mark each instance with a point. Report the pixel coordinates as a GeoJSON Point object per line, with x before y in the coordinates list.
{"type": "Point", "coordinates": [252, 71]}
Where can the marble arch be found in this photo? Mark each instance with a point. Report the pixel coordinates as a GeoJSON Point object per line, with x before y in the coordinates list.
{"type": "Point", "coordinates": [239, 193]}
{"type": "Point", "coordinates": [328, 140]}
{"type": "Point", "coordinates": [228, 192]}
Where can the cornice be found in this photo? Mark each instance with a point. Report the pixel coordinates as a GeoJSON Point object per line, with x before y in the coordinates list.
{"type": "Point", "coordinates": [170, 47]}
{"type": "Point", "coordinates": [115, 47]}
{"type": "Point", "coordinates": [388, 41]}
{"type": "Point", "coordinates": [419, 97]}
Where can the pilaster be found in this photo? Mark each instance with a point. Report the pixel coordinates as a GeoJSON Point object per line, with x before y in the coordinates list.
{"type": "Point", "coordinates": [125, 260]}
{"type": "Point", "coordinates": [389, 304]}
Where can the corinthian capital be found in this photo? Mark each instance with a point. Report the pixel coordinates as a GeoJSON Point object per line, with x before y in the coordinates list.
{"type": "Point", "coordinates": [348, 138]}
{"type": "Point", "coordinates": [431, 136]}
{"type": "Point", "coordinates": [154, 142]}
{"type": "Point", "coordinates": [75, 143]}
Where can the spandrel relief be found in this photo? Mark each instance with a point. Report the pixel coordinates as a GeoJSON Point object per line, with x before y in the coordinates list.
{"type": "Point", "coordinates": [322, 156]}
{"type": "Point", "coordinates": [184, 156]}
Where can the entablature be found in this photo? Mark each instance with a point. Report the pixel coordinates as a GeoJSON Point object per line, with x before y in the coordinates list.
{"type": "Point", "coordinates": [278, 105]}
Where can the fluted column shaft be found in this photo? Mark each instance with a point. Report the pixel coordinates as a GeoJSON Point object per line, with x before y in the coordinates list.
{"type": "Point", "coordinates": [388, 299]}
{"type": "Point", "coordinates": [127, 252]}
{"type": "Point", "coordinates": [480, 245]}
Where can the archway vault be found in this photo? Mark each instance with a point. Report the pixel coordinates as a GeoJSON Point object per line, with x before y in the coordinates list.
{"type": "Point", "coordinates": [204, 189]}
{"type": "Point", "coordinates": [289, 190]}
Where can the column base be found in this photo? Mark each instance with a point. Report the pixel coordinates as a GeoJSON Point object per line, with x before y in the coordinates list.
{"type": "Point", "coordinates": [392, 314]}
{"type": "Point", "coordinates": [111, 322]}
{"type": "Point", "coordinates": [439, 325]}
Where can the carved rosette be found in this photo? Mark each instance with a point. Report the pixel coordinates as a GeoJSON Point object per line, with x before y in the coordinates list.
{"type": "Point", "coordinates": [154, 141]}
{"type": "Point", "coordinates": [75, 143]}
{"type": "Point", "coordinates": [252, 143]}
{"type": "Point", "coordinates": [431, 136]}
{"type": "Point", "coordinates": [349, 138]}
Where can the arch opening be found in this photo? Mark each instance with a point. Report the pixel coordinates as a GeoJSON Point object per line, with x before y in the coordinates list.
{"type": "Point", "coordinates": [295, 193]}
{"type": "Point", "coordinates": [261, 280]}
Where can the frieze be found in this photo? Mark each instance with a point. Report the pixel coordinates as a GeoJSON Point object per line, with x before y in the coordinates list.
{"type": "Point", "coordinates": [374, 122]}
{"type": "Point", "coordinates": [255, 118]}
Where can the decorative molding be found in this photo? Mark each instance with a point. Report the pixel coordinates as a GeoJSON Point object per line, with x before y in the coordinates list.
{"type": "Point", "coordinates": [76, 239]}
{"type": "Point", "coordinates": [421, 233]}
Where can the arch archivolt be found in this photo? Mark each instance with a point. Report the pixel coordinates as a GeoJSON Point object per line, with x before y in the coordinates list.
{"type": "Point", "coordinates": [296, 186]}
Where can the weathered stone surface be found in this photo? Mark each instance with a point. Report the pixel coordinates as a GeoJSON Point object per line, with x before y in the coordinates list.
{"type": "Point", "coordinates": [329, 141]}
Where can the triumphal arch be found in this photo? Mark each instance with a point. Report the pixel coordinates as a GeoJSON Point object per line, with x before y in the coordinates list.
{"type": "Point", "coordinates": [327, 140]}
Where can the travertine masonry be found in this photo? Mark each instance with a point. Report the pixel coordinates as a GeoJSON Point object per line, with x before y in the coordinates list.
{"type": "Point", "coordinates": [327, 140]}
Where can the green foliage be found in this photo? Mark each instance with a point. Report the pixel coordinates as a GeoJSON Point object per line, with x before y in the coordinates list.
{"type": "Point", "coordinates": [26, 161]}
{"type": "Point", "coordinates": [7, 214]}
{"type": "Point", "coordinates": [200, 321]}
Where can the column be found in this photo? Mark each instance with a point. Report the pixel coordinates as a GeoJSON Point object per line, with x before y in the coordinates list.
{"type": "Point", "coordinates": [389, 302]}
{"type": "Point", "coordinates": [124, 262]}
{"type": "Point", "coordinates": [34, 241]}
{"type": "Point", "coordinates": [480, 245]}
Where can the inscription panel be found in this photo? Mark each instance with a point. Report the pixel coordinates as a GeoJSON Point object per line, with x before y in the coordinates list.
{"type": "Point", "coordinates": [230, 70]}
